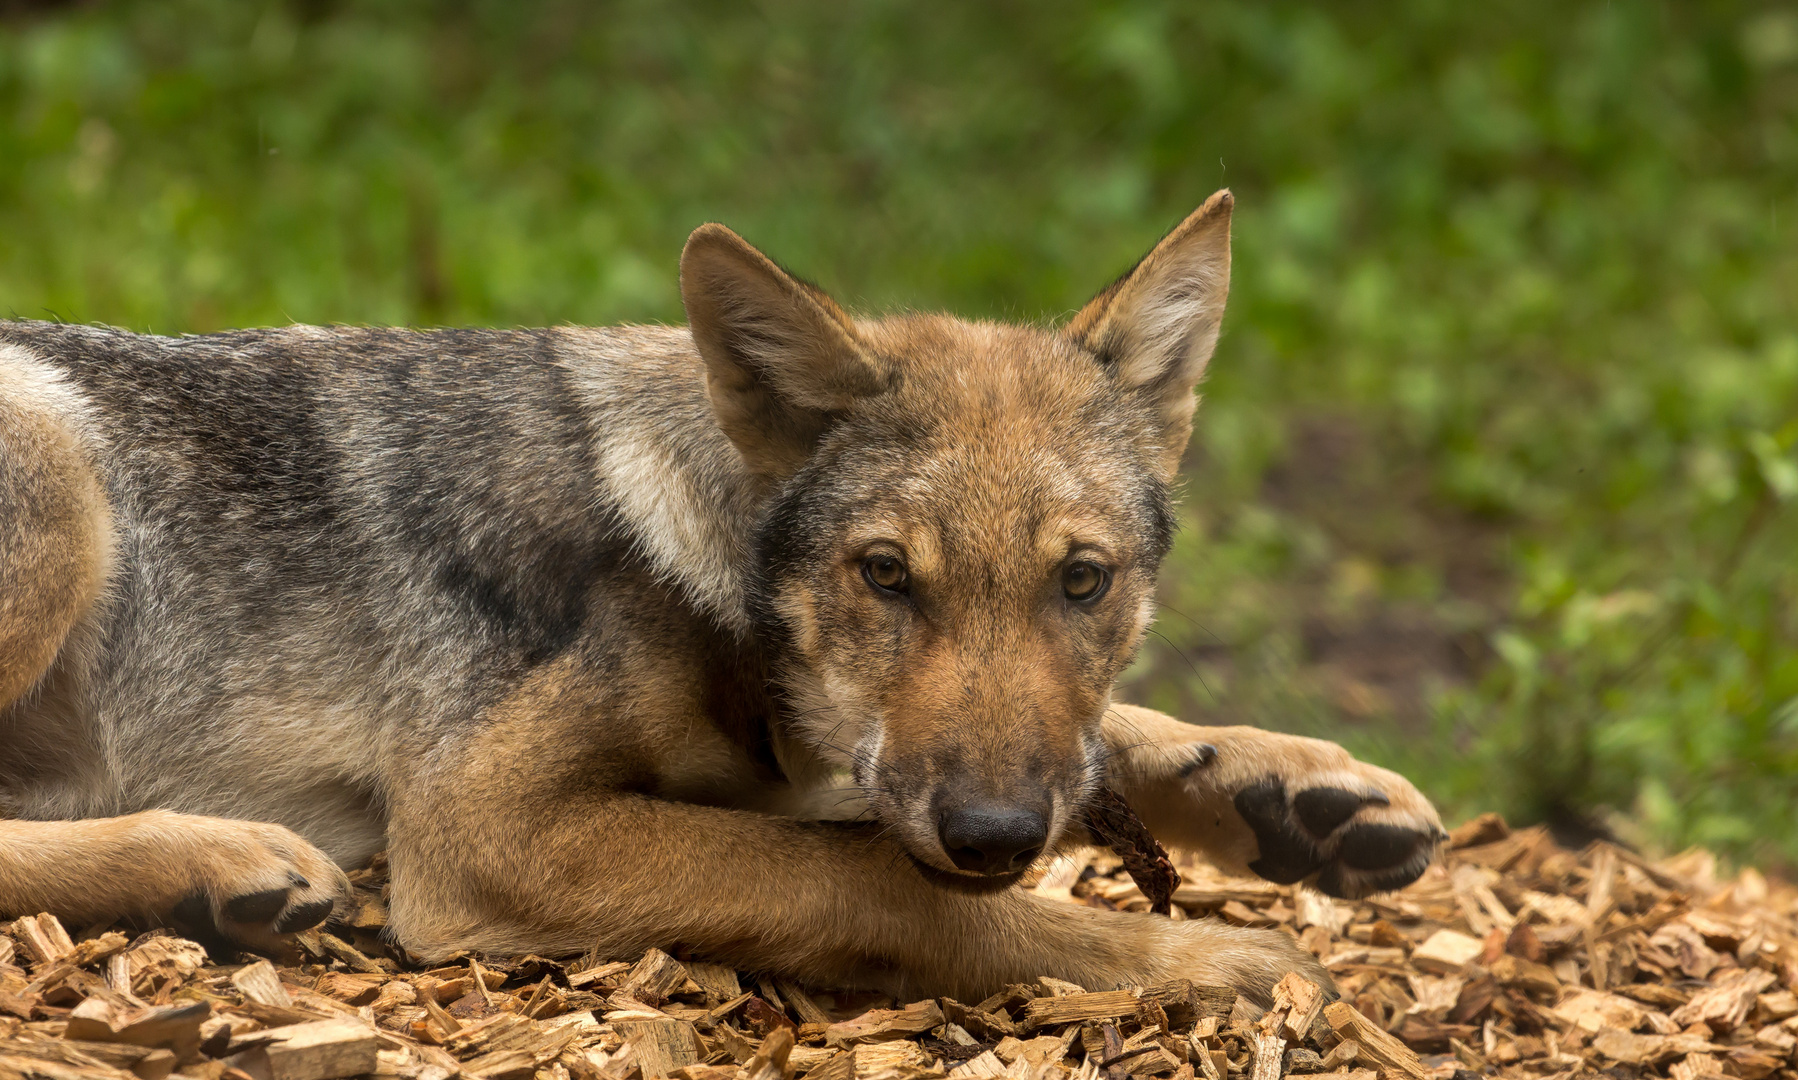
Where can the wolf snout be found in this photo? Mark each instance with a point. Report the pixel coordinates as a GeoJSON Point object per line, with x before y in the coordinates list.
{"type": "Point", "coordinates": [992, 839]}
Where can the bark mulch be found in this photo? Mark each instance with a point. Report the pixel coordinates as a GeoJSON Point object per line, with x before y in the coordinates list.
{"type": "Point", "coordinates": [1510, 957]}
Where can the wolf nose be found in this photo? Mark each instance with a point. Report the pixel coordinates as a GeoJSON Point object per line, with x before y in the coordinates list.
{"type": "Point", "coordinates": [992, 839]}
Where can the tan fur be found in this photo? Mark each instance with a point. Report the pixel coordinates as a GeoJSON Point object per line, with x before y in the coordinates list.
{"type": "Point", "coordinates": [56, 535]}
{"type": "Point", "coordinates": [145, 864]}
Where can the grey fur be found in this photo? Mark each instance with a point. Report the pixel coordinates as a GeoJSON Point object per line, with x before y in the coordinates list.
{"type": "Point", "coordinates": [336, 546]}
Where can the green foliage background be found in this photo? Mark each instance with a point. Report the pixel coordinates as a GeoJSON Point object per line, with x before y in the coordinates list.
{"type": "Point", "coordinates": [1496, 474]}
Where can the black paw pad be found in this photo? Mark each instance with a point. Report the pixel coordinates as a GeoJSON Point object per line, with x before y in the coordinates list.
{"type": "Point", "coordinates": [1286, 855]}
{"type": "Point", "coordinates": [304, 917]}
{"type": "Point", "coordinates": [1324, 810]}
{"type": "Point", "coordinates": [257, 907]}
{"type": "Point", "coordinates": [1379, 847]}
{"type": "Point", "coordinates": [1335, 882]}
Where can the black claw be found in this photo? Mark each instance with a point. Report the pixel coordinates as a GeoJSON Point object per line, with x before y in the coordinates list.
{"type": "Point", "coordinates": [1286, 855]}
{"type": "Point", "coordinates": [1379, 847]}
{"type": "Point", "coordinates": [1323, 810]}
{"type": "Point", "coordinates": [304, 917]}
{"type": "Point", "coordinates": [1202, 755]}
{"type": "Point", "coordinates": [297, 880]}
{"type": "Point", "coordinates": [257, 907]}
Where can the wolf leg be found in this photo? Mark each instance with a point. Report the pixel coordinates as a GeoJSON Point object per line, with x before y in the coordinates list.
{"type": "Point", "coordinates": [55, 526]}
{"type": "Point", "coordinates": [249, 881]}
{"type": "Point", "coordinates": [499, 848]}
{"type": "Point", "coordinates": [1284, 807]}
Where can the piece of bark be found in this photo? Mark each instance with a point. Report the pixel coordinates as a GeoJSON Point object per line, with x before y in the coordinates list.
{"type": "Point", "coordinates": [346, 988]}
{"type": "Point", "coordinates": [320, 1050]}
{"type": "Point", "coordinates": [1446, 952]}
{"type": "Point", "coordinates": [661, 1045]}
{"type": "Point", "coordinates": [655, 978]}
{"type": "Point", "coordinates": [603, 975]}
{"type": "Point", "coordinates": [351, 957]}
{"type": "Point", "coordinates": [153, 962]}
{"type": "Point", "coordinates": [42, 937]}
{"type": "Point", "coordinates": [144, 1062]}
{"type": "Point", "coordinates": [1076, 1008]}
{"type": "Point", "coordinates": [802, 1004]}
{"type": "Point", "coordinates": [1113, 823]}
{"type": "Point", "coordinates": [1300, 1002]}
{"type": "Point", "coordinates": [839, 1067]}
{"type": "Point", "coordinates": [980, 1022]}
{"type": "Point", "coordinates": [1186, 1003]}
{"type": "Point", "coordinates": [258, 983]}
{"type": "Point", "coordinates": [983, 1066]}
{"type": "Point", "coordinates": [518, 1057]}
{"type": "Point", "coordinates": [1726, 1003]}
{"type": "Point", "coordinates": [718, 981]}
{"type": "Point", "coordinates": [1377, 1047]}
{"type": "Point", "coordinates": [94, 950]}
{"type": "Point", "coordinates": [886, 1025]}
{"type": "Point", "coordinates": [171, 1027]}
{"type": "Point", "coordinates": [1267, 1050]}
{"type": "Point", "coordinates": [763, 1018]}
{"type": "Point", "coordinates": [772, 1061]}
{"type": "Point", "coordinates": [880, 1059]}
{"type": "Point", "coordinates": [1340, 1056]}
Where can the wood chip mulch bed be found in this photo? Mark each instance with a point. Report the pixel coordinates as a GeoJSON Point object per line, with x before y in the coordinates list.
{"type": "Point", "coordinates": [1511, 957]}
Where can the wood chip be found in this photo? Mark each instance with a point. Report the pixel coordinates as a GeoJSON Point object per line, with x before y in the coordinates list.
{"type": "Point", "coordinates": [321, 1050]}
{"type": "Point", "coordinates": [1377, 1047]}
{"type": "Point", "coordinates": [1076, 1008]}
{"type": "Point", "coordinates": [1446, 951]}
{"type": "Point", "coordinates": [661, 1046]}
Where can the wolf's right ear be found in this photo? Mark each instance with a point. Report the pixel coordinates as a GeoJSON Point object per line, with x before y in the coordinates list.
{"type": "Point", "coordinates": [1155, 327]}
{"type": "Point", "coordinates": [780, 356]}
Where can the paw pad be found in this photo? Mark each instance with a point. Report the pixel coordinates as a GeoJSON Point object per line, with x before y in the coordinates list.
{"type": "Point", "coordinates": [1314, 833]}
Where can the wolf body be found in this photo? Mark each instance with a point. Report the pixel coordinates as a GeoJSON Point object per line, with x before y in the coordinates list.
{"type": "Point", "coordinates": [786, 639]}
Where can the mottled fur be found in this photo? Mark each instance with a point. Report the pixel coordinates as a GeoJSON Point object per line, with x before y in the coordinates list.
{"type": "Point", "coordinates": [575, 623]}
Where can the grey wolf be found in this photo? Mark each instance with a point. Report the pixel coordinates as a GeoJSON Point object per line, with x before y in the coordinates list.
{"type": "Point", "coordinates": [787, 639]}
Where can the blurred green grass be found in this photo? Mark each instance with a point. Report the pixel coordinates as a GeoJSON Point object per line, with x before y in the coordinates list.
{"type": "Point", "coordinates": [1496, 474]}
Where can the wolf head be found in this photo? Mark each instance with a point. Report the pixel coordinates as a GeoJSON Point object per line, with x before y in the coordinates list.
{"type": "Point", "coordinates": [962, 525]}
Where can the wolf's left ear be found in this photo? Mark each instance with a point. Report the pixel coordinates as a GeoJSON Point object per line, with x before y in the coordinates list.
{"type": "Point", "coordinates": [1155, 327]}
{"type": "Point", "coordinates": [780, 356]}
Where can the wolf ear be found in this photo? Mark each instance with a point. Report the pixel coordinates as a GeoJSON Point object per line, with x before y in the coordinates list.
{"type": "Point", "coordinates": [1155, 327]}
{"type": "Point", "coordinates": [779, 355]}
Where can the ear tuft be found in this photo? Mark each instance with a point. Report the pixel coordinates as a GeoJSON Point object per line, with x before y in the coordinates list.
{"type": "Point", "coordinates": [1155, 328]}
{"type": "Point", "coordinates": [780, 355]}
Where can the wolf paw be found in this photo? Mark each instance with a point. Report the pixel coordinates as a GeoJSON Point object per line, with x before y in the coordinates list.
{"type": "Point", "coordinates": [1349, 838]}
{"type": "Point", "coordinates": [255, 884]}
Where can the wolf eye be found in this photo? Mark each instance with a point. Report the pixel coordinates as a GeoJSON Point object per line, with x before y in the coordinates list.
{"type": "Point", "coordinates": [885, 573]}
{"type": "Point", "coordinates": [1084, 582]}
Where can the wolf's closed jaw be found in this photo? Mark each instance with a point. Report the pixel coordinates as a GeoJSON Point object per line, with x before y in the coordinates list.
{"type": "Point", "coordinates": [576, 621]}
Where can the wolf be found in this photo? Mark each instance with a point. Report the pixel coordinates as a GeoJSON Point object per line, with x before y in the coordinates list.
{"type": "Point", "coordinates": [785, 639]}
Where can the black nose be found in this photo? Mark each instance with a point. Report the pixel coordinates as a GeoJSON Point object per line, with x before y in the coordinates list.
{"type": "Point", "coordinates": [992, 839]}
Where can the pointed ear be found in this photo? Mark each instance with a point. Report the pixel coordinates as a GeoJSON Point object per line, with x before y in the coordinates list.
{"type": "Point", "coordinates": [779, 354]}
{"type": "Point", "coordinates": [1154, 329]}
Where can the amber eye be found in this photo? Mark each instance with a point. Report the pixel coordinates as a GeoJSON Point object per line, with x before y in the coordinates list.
{"type": "Point", "coordinates": [1084, 582]}
{"type": "Point", "coordinates": [885, 572]}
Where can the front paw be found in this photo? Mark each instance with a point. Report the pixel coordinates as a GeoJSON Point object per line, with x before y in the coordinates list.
{"type": "Point", "coordinates": [1345, 834]}
{"type": "Point", "coordinates": [1251, 961]}
{"type": "Point", "coordinates": [252, 884]}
